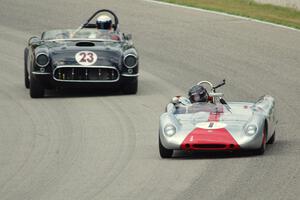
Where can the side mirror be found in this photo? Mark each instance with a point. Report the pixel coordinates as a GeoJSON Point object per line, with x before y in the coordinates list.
{"type": "Point", "coordinates": [127, 36]}
{"type": "Point", "coordinates": [34, 41]}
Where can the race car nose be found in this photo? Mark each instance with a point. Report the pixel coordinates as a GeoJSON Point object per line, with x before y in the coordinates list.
{"type": "Point", "coordinates": [204, 139]}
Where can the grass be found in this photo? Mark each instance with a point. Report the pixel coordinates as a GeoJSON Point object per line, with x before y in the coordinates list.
{"type": "Point", "coordinates": [248, 8]}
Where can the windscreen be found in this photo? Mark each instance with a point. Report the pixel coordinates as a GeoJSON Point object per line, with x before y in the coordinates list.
{"type": "Point", "coordinates": [87, 33]}
{"type": "Point", "coordinates": [200, 107]}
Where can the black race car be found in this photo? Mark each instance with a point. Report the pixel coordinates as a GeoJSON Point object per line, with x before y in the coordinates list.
{"type": "Point", "coordinates": [82, 57]}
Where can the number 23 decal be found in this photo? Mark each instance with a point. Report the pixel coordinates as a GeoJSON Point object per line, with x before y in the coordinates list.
{"type": "Point", "coordinates": [86, 58]}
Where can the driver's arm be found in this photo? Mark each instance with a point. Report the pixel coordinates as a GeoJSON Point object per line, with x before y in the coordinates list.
{"type": "Point", "coordinates": [180, 100]}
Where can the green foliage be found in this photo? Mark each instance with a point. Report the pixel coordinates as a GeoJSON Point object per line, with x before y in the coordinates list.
{"type": "Point", "coordinates": [248, 8]}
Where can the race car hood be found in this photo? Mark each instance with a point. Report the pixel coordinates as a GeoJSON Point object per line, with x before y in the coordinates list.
{"type": "Point", "coordinates": [239, 113]}
{"type": "Point", "coordinates": [214, 130]}
{"type": "Point", "coordinates": [65, 53]}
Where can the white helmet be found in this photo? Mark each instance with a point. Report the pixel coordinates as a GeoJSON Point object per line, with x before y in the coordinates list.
{"type": "Point", "coordinates": [104, 22]}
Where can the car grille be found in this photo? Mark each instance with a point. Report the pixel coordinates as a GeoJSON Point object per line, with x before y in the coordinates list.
{"type": "Point", "coordinates": [208, 146]}
{"type": "Point", "coordinates": [86, 74]}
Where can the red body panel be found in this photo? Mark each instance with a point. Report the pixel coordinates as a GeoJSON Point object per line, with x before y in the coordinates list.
{"type": "Point", "coordinates": [210, 139]}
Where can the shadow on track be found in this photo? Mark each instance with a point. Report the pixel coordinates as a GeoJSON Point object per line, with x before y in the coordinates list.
{"type": "Point", "coordinates": [178, 155]}
{"type": "Point", "coordinates": [82, 92]}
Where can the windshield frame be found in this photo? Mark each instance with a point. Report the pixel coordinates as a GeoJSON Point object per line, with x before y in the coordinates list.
{"type": "Point", "coordinates": [96, 36]}
{"type": "Point", "coordinates": [200, 107]}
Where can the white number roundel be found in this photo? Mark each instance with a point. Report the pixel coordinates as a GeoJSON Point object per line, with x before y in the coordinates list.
{"type": "Point", "coordinates": [86, 58]}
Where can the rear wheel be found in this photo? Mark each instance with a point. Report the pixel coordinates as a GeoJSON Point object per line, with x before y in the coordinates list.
{"type": "Point", "coordinates": [263, 146]}
{"type": "Point", "coordinates": [26, 79]}
{"type": "Point", "coordinates": [36, 89]}
{"type": "Point", "coordinates": [272, 139]}
{"type": "Point", "coordinates": [130, 86]}
{"type": "Point", "coordinates": [164, 152]}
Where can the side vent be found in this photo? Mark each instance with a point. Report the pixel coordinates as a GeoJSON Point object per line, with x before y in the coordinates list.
{"type": "Point", "coordinates": [85, 44]}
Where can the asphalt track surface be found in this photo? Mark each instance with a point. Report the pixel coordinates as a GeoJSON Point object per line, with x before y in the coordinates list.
{"type": "Point", "coordinates": [104, 146]}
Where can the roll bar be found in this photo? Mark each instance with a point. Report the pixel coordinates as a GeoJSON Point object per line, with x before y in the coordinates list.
{"type": "Point", "coordinates": [213, 88]}
{"type": "Point", "coordinates": [214, 95]}
{"type": "Point", "coordinates": [88, 25]}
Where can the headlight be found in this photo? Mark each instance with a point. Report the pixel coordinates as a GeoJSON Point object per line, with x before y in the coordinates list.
{"type": "Point", "coordinates": [130, 61]}
{"type": "Point", "coordinates": [251, 129]}
{"type": "Point", "coordinates": [42, 60]}
{"type": "Point", "coordinates": [170, 130]}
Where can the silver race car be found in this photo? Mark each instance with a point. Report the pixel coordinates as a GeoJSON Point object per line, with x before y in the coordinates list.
{"type": "Point", "coordinates": [217, 125]}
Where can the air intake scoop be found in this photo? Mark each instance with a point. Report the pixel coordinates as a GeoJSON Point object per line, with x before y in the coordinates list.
{"type": "Point", "coordinates": [85, 44]}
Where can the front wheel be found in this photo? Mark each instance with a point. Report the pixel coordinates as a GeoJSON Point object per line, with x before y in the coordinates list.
{"type": "Point", "coordinates": [130, 86]}
{"type": "Point", "coordinates": [164, 152]}
{"type": "Point", "coordinates": [272, 139]}
{"type": "Point", "coordinates": [263, 146]}
{"type": "Point", "coordinates": [36, 89]}
{"type": "Point", "coordinates": [26, 79]}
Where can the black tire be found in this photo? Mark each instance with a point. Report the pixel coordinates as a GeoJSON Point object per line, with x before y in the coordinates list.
{"type": "Point", "coordinates": [26, 79]}
{"type": "Point", "coordinates": [272, 139]}
{"type": "Point", "coordinates": [164, 152]}
{"type": "Point", "coordinates": [36, 89]}
{"type": "Point", "coordinates": [130, 87]}
{"type": "Point", "coordinates": [263, 146]}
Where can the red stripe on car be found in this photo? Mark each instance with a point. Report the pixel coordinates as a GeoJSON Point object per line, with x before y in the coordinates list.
{"type": "Point", "coordinates": [210, 139]}
{"type": "Point", "coordinates": [215, 116]}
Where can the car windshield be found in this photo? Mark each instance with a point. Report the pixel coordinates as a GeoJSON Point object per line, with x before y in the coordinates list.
{"type": "Point", "coordinates": [83, 34]}
{"type": "Point", "coordinates": [200, 107]}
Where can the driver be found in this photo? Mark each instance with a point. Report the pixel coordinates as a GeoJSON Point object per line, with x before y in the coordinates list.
{"type": "Point", "coordinates": [104, 22]}
{"type": "Point", "coordinates": [198, 94]}
{"type": "Point", "coordinates": [104, 25]}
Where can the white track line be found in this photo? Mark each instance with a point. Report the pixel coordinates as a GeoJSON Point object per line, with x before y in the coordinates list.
{"type": "Point", "coordinates": [220, 13]}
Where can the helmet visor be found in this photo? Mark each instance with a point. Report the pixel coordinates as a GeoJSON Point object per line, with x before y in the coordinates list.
{"type": "Point", "coordinates": [104, 25]}
{"type": "Point", "coordinates": [196, 97]}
